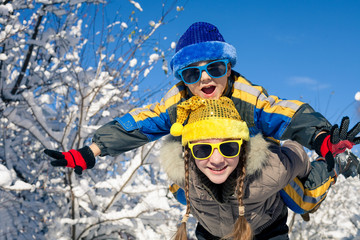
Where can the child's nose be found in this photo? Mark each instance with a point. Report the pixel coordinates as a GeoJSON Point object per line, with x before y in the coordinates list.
{"type": "Point", "coordinates": [204, 76]}
{"type": "Point", "coordinates": [216, 157]}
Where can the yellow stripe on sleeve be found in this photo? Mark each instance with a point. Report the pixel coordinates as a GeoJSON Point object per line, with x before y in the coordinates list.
{"type": "Point", "coordinates": [172, 97]}
{"type": "Point", "coordinates": [304, 198]}
{"type": "Point", "coordinates": [255, 95]}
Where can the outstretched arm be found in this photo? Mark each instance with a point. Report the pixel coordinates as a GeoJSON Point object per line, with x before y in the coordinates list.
{"type": "Point", "coordinates": [330, 144]}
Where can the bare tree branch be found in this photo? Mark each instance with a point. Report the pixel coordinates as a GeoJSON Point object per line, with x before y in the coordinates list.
{"type": "Point", "coordinates": [28, 55]}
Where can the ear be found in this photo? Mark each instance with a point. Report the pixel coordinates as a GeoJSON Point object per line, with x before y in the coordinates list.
{"type": "Point", "coordinates": [228, 70]}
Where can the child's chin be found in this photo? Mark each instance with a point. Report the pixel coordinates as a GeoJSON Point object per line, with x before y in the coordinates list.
{"type": "Point", "coordinates": [217, 179]}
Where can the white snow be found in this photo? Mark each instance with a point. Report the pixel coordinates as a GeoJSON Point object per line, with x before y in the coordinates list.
{"type": "Point", "coordinates": [6, 9]}
{"type": "Point", "coordinates": [3, 57]}
{"type": "Point", "coordinates": [146, 72]}
{"type": "Point", "coordinates": [124, 25]}
{"type": "Point", "coordinates": [5, 176]}
{"type": "Point", "coordinates": [357, 96]}
{"type": "Point", "coordinates": [133, 62]}
{"type": "Point", "coordinates": [20, 186]}
{"type": "Point", "coordinates": [137, 5]}
{"type": "Point", "coordinates": [153, 58]}
{"type": "Point", "coordinates": [152, 23]}
{"type": "Point", "coordinates": [135, 88]}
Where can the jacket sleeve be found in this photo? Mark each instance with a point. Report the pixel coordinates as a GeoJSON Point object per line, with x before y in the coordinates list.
{"type": "Point", "coordinates": [289, 119]}
{"type": "Point", "coordinates": [303, 195]}
{"type": "Point", "coordinates": [113, 139]}
{"type": "Point", "coordinates": [305, 125]}
{"type": "Point", "coordinates": [140, 125]}
{"type": "Point", "coordinates": [275, 117]}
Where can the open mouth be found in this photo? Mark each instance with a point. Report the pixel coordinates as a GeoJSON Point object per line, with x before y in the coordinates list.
{"type": "Point", "coordinates": [208, 90]}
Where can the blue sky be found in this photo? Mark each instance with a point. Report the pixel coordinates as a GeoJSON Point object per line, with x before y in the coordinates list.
{"type": "Point", "coordinates": [304, 50]}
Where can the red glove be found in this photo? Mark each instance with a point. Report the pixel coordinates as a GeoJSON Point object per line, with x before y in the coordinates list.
{"type": "Point", "coordinates": [78, 159]}
{"type": "Point", "coordinates": [328, 145]}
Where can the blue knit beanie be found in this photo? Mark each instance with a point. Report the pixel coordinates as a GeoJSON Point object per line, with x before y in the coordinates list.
{"type": "Point", "coordinates": [201, 42]}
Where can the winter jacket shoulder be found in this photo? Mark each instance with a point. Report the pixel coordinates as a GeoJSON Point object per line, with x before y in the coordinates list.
{"type": "Point", "coordinates": [274, 117]}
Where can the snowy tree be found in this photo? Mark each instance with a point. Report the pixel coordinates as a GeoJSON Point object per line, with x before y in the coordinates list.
{"type": "Point", "coordinates": [64, 73]}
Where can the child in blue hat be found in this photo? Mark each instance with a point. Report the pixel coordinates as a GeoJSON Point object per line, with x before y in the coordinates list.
{"type": "Point", "coordinates": [204, 64]}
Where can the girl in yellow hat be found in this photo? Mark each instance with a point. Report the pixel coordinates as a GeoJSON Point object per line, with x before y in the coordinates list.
{"type": "Point", "coordinates": [231, 181]}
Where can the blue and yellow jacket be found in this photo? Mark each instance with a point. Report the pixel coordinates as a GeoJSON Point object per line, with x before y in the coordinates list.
{"type": "Point", "coordinates": [277, 119]}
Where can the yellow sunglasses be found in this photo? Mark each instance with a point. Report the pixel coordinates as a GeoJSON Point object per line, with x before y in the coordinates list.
{"type": "Point", "coordinates": [228, 149]}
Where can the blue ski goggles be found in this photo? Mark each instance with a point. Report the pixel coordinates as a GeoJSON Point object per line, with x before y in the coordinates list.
{"type": "Point", "coordinates": [216, 69]}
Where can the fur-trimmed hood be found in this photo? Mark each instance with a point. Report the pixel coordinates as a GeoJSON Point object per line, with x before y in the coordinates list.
{"type": "Point", "coordinates": [171, 157]}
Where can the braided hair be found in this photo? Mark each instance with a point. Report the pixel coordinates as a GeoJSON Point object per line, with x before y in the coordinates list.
{"type": "Point", "coordinates": [181, 233]}
{"type": "Point", "coordinates": [242, 229]}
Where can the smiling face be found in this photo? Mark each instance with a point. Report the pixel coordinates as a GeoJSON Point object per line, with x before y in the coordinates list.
{"type": "Point", "coordinates": [208, 87]}
{"type": "Point", "coordinates": [217, 167]}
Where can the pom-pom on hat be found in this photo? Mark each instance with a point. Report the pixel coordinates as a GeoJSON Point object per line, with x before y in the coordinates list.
{"type": "Point", "coordinates": [209, 118]}
{"type": "Point", "coordinates": [201, 42]}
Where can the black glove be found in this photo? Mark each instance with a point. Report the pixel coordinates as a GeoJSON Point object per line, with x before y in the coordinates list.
{"type": "Point", "coordinates": [78, 159]}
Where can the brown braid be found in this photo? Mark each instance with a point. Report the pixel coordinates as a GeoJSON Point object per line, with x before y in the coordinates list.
{"type": "Point", "coordinates": [181, 233]}
{"type": "Point", "coordinates": [242, 229]}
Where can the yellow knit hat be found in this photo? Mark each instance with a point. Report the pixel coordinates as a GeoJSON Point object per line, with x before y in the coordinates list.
{"type": "Point", "coordinates": [209, 118]}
